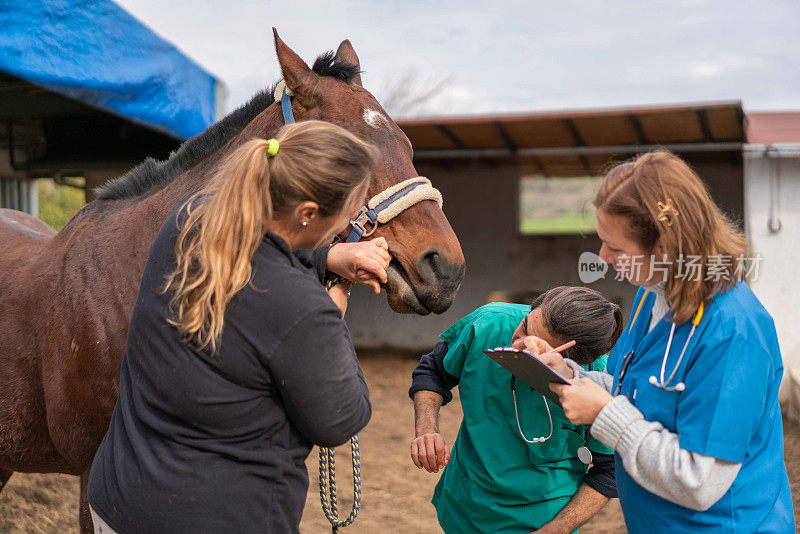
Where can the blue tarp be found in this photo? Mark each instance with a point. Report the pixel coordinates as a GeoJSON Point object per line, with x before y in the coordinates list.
{"type": "Point", "coordinates": [96, 52]}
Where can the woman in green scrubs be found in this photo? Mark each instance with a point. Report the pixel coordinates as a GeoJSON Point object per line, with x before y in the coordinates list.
{"type": "Point", "coordinates": [495, 481]}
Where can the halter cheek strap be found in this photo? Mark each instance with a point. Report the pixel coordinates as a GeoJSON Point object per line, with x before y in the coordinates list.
{"type": "Point", "coordinates": [284, 95]}
{"type": "Point", "coordinates": [390, 203]}
{"type": "Point", "coordinates": [384, 206]}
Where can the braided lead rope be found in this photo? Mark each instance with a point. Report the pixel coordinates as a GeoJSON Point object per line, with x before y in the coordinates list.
{"type": "Point", "coordinates": [327, 485]}
{"type": "Point", "coordinates": [327, 465]}
{"type": "Point", "coordinates": [327, 469]}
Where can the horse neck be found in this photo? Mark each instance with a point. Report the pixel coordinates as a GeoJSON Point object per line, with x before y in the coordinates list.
{"type": "Point", "coordinates": [117, 234]}
{"type": "Point", "coordinates": [152, 210]}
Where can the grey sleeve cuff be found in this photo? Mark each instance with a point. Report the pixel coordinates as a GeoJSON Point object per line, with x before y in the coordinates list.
{"type": "Point", "coordinates": [612, 422]}
{"type": "Point", "coordinates": [602, 378]}
{"type": "Point", "coordinates": [653, 457]}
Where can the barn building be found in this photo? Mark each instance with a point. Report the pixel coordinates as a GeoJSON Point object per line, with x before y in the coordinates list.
{"type": "Point", "coordinates": [87, 90]}
{"type": "Point", "coordinates": [481, 164]}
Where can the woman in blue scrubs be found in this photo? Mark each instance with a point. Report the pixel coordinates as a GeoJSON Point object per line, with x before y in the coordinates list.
{"type": "Point", "coordinates": [689, 399]}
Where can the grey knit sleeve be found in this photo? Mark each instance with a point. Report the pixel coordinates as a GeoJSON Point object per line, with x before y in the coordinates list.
{"type": "Point", "coordinates": [652, 456]}
{"type": "Point", "coordinates": [604, 379]}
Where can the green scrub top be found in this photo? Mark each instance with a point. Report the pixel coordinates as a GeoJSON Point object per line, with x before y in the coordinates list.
{"type": "Point", "coordinates": [495, 482]}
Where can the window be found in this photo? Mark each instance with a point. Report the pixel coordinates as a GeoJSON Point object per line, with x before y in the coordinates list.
{"type": "Point", "coordinates": [557, 205]}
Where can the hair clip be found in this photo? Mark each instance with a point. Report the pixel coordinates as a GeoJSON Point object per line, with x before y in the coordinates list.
{"type": "Point", "coordinates": [668, 211]}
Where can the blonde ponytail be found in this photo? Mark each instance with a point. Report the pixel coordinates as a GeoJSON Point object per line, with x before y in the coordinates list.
{"type": "Point", "coordinates": [215, 252]}
{"type": "Point", "coordinates": [227, 220]}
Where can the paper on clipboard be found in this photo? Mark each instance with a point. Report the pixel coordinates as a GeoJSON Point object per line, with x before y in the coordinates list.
{"type": "Point", "coordinates": [527, 368]}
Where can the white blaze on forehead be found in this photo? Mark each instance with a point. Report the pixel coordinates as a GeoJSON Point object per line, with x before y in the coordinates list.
{"type": "Point", "coordinates": [375, 118]}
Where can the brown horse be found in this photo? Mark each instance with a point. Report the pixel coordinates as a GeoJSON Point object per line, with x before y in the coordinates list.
{"type": "Point", "coordinates": [65, 299]}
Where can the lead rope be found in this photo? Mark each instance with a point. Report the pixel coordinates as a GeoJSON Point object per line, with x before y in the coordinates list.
{"type": "Point", "coordinates": [327, 469]}
{"type": "Point", "coordinates": [327, 485]}
{"type": "Point", "coordinates": [380, 209]}
{"type": "Point", "coordinates": [327, 459]}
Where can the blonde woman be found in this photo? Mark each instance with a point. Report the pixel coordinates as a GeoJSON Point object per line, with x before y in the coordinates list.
{"type": "Point", "coordinates": [237, 361]}
{"type": "Point", "coordinates": [689, 402]}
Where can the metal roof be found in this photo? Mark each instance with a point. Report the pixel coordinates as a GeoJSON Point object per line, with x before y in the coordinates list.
{"type": "Point", "coordinates": [85, 85]}
{"type": "Point", "coordinates": [98, 54]}
{"type": "Point", "coordinates": [768, 127]}
{"type": "Point", "coordinates": [575, 142]}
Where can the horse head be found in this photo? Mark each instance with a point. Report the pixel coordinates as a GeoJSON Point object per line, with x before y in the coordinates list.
{"type": "Point", "coordinates": [427, 266]}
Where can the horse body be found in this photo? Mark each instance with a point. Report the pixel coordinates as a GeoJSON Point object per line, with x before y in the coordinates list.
{"type": "Point", "coordinates": [66, 298]}
{"type": "Point", "coordinates": [24, 440]}
{"type": "Point", "coordinates": [60, 367]}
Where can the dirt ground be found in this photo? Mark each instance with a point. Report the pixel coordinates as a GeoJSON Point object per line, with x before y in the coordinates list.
{"type": "Point", "coordinates": [396, 494]}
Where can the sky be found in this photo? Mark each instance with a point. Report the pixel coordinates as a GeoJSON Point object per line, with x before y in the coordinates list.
{"type": "Point", "coordinates": [509, 56]}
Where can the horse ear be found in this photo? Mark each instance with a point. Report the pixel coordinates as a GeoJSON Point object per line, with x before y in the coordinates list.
{"type": "Point", "coordinates": [346, 54]}
{"type": "Point", "coordinates": [296, 73]}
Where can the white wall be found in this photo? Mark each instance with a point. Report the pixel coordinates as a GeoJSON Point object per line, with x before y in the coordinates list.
{"type": "Point", "coordinates": [777, 283]}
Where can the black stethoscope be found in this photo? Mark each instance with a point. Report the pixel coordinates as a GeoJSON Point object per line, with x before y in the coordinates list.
{"type": "Point", "coordinates": [660, 382]}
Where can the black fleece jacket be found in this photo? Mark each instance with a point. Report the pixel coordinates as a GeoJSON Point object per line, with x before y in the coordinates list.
{"type": "Point", "coordinates": [202, 442]}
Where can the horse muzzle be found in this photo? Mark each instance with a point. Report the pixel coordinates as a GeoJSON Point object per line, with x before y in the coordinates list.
{"type": "Point", "coordinates": [432, 289]}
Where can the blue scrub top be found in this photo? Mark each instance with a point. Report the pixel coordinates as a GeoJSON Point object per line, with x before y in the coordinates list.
{"type": "Point", "coordinates": [729, 410]}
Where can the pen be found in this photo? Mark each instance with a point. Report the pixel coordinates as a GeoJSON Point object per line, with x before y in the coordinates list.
{"type": "Point", "coordinates": [565, 346]}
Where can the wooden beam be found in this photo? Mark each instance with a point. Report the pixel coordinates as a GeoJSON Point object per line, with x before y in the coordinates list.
{"type": "Point", "coordinates": [636, 124]}
{"type": "Point", "coordinates": [512, 147]}
{"type": "Point", "coordinates": [678, 148]}
{"type": "Point", "coordinates": [708, 137]}
{"type": "Point", "coordinates": [576, 136]}
{"type": "Point", "coordinates": [741, 119]}
{"type": "Point", "coordinates": [510, 144]}
{"type": "Point", "coordinates": [451, 136]}
{"type": "Point", "coordinates": [578, 139]}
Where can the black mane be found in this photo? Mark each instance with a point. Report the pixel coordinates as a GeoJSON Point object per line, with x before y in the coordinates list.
{"type": "Point", "coordinates": [153, 173]}
{"type": "Point", "coordinates": [326, 65]}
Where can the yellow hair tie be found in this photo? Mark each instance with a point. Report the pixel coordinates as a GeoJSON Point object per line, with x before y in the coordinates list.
{"type": "Point", "coordinates": [272, 147]}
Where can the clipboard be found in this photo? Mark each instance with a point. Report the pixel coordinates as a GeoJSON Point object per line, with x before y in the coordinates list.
{"type": "Point", "coordinates": [527, 368]}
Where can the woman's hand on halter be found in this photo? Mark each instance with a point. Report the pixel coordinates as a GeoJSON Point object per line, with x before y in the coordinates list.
{"type": "Point", "coordinates": [364, 262]}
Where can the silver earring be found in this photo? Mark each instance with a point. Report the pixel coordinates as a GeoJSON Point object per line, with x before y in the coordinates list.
{"type": "Point", "coordinates": [305, 223]}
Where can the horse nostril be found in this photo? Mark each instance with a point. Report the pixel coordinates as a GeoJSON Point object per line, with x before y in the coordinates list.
{"type": "Point", "coordinates": [432, 262]}
{"type": "Point", "coordinates": [439, 280]}
{"type": "Point", "coordinates": [435, 268]}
